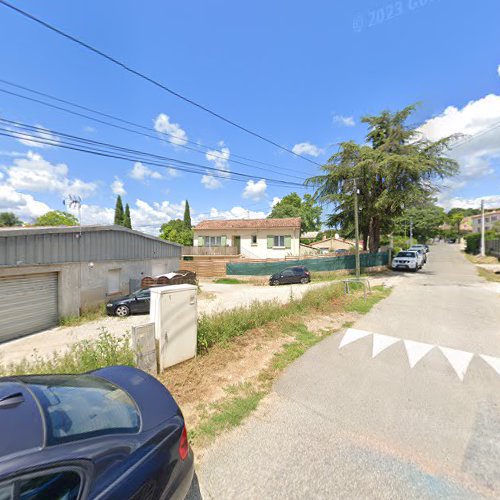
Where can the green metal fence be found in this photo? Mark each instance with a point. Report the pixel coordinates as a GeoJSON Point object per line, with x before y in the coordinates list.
{"type": "Point", "coordinates": [323, 264]}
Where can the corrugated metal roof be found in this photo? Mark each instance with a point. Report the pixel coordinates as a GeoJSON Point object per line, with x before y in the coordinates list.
{"type": "Point", "coordinates": [249, 223]}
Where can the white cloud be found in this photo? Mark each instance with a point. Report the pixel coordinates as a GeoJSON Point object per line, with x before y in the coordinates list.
{"type": "Point", "coordinates": [306, 148]}
{"type": "Point", "coordinates": [347, 121]}
{"type": "Point", "coordinates": [177, 135]}
{"type": "Point", "coordinates": [40, 132]}
{"type": "Point", "coordinates": [118, 187]}
{"type": "Point", "coordinates": [32, 173]}
{"type": "Point", "coordinates": [274, 201]}
{"type": "Point", "coordinates": [233, 213]}
{"type": "Point", "coordinates": [210, 182]}
{"type": "Point", "coordinates": [491, 201]}
{"type": "Point", "coordinates": [220, 158]}
{"type": "Point", "coordinates": [141, 172]}
{"type": "Point", "coordinates": [23, 205]}
{"type": "Point", "coordinates": [478, 153]}
{"type": "Point", "coordinates": [255, 190]}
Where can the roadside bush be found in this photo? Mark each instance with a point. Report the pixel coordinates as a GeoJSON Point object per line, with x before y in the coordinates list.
{"type": "Point", "coordinates": [221, 327]}
{"type": "Point", "coordinates": [86, 355]}
{"type": "Point", "coordinates": [473, 241]}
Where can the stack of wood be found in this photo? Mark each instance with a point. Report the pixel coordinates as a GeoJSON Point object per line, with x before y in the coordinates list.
{"type": "Point", "coordinates": [176, 278]}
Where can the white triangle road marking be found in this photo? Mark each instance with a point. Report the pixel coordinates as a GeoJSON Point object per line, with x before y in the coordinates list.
{"type": "Point", "coordinates": [351, 335]}
{"type": "Point", "coordinates": [416, 351]}
{"type": "Point", "coordinates": [459, 360]}
{"type": "Point", "coordinates": [381, 342]}
{"type": "Point", "coordinates": [492, 361]}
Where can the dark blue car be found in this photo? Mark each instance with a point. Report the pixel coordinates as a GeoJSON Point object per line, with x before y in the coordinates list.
{"type": "Point", "coordinates": [115, 433]}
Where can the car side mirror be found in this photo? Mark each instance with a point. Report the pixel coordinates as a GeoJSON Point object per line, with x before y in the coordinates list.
{"type": "Point", "coordinates": [135, 297]}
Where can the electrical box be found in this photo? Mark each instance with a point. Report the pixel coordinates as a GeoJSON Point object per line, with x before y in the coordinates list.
{"type": "Point", "coordinates": [174, 313]}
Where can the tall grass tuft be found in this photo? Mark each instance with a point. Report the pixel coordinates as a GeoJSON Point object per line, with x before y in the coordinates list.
{"type": "Point", "coordinates": [83, 356]}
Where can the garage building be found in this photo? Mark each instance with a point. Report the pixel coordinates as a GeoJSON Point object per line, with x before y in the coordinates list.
{"type": "Point", "coordinates": [51, 272]}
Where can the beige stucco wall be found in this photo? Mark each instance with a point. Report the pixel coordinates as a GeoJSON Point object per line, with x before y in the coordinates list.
{"type": "Point", "coordinates": [85, 286]}
{"type": "Point", "coordinates": [259, 251]}
{"type": "Point", "coordinates": [332, 244]}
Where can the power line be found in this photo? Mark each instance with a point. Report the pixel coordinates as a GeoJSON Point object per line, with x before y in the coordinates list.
{"type": "Point", "coordinates": [151, 80]}
{"type": "Point", "coordinates": [103, 149]}
{"type": "Point", "coordinates": [152, 136]}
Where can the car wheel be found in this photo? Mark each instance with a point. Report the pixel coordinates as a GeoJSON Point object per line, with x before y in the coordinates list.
{"type": "Point", "coordinates": [122, 311]}
{"type": "Point", "coordinates": [415, 269]}
{"type": "Point", "coordinates": [276, 282]}
{"type": "Point", "coordinates": [304, 281]}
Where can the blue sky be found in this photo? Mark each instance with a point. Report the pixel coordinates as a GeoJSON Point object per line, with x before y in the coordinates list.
{"type": "Point", "coordinates": [299, 73]}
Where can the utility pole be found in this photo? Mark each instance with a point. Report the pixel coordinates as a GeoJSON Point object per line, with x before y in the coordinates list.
{"type": "Point", "coordinates": [483, 243]}
{"type": "Point", "coordinates": [356, 229]}
{"type": "Point", "coordinates": [411, 232]}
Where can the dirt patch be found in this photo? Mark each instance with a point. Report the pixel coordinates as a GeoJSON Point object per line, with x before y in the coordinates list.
{"type": "Point", "coordinates": [330, 322]}
{"type": "Point", "coordinates": [203, 380]}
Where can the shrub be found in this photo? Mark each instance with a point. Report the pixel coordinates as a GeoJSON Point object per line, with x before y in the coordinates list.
{"type": "Point", "coordinates": [473, 241]}
{"type": "Point", "coordinates": [86, 355]}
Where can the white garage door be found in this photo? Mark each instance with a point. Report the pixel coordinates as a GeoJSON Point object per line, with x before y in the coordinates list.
{"type": "Point", "coordinates": [28, 304]}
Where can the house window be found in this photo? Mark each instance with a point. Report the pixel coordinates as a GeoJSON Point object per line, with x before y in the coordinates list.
{"type": "Point", "coordinates": [213, 241]}
{"type": "Point", "coordinates": [279, 241]}
{"type": "Point", "coordinates": [254, 239]}
{"type": "Point", "coordinates": [113, 281]}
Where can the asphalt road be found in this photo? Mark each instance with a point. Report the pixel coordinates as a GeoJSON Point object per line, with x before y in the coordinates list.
{"type": "Point", "coordinates": [410, 412]}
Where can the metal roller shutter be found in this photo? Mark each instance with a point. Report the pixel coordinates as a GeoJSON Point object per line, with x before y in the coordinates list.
{"type": "Point", "coordinates": [28, 304]}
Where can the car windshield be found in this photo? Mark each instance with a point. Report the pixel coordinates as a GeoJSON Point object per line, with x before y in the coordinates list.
{"type": "Point", "coordinates": [76, 407]}
{"type": "Point", "coordinates": [406, 254]}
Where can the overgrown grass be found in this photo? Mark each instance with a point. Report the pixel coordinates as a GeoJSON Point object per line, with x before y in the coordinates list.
{"type": "Point", "coordinates": [85, 317]}
{"type": "Point", "coordinates": [83, 356]}
{"type": "Point", "coordinates": [488, 275]}
{"type": "Point", "coordinates": [318, 277]}
{"type": "Point", "coordinates": [230, 281]}
{"type": "Point", "coordinates": [361, 305]}
{"type": "Point", "coordinates": [220, 328]}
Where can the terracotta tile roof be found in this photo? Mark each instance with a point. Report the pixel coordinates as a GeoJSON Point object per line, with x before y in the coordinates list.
{"type": "Point", "coordinates": [293, 222]}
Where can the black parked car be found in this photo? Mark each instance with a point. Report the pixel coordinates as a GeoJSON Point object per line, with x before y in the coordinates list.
{"type": "Point", "coordinates": [135, 303]}
{"type": "Point", "coordinates": [297, 274]}
{"type": "Point", "coordinates": [115, 433]}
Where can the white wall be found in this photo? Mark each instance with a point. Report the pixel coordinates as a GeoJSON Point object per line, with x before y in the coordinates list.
{"type": "Point", "coordinates": [259, 251]}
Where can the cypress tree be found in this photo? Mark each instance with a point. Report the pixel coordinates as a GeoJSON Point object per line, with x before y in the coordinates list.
{"type": "Point", "coordinates": [119, 211]}
{"type": "Point", "coordinates": [127, 222]}
{"type": "Point", "coordinates": [187, 215]}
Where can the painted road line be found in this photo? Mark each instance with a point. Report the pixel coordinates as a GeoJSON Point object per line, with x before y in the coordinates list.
{"type": "Point", "coordinates": [416, 351]}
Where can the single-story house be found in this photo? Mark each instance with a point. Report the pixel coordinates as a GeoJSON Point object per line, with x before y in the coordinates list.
{"type": "Point", "coordinates": [50, 272]}
{"type": "Point", "coordinates": [328, 245]}
{"type": "Point", "coordinates": [253, 238]}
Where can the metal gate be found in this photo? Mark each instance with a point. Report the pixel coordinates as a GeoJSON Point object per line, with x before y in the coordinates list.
{"type": "Point", "coordinates": [28, 304]}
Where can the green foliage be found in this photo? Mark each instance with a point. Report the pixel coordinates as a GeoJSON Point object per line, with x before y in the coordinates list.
{"type": "Point", "coordinates": [127, 222]}
{"type": "Point", "coordinates": [230, 281]}
{"type": "Point", "coordinates": [86, 355]}
{"type": "Point", "coordinates": [187, 215]}
{"type": "Point", "coordinates": [395, 169]}
{"type": "Point", "coordinates": [56, 218]}
{"type": "Point", "coordinates": [426, 220]}
{"type": "Point", "coordinates": [119, 213]}
{"type": "Point", "coordinates": [9, 219]}
{"type": "Point", "coordinates": [221, 327]}
{"type": "Point", "coordinates": [176, 230]}
{"type": "Point", "coordinates": [473, 241]}
{"type": "Point", "coordinates": [292, 205]}
{"type": "Point", "coordinates": [362, 305]}
{"type": "Point", "coordinates": [85, 317]}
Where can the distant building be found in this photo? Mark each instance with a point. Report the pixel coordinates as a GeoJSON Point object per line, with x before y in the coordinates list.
{"type": "Point", "coordinates": [252, 238]}
{"type": "Point", "coordinates": [50, 272]}
{"type": "Point", "coordinates": [490, 219]}
{"type": "Point", "coordinates": [329, 245]}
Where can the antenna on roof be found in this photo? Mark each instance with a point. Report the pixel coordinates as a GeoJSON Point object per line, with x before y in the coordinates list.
{"type": "Point", "coordinates": [75, 201]}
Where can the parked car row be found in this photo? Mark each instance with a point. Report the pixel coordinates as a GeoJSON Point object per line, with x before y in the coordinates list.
{"type": "Point", "coordinates": [412, 259]}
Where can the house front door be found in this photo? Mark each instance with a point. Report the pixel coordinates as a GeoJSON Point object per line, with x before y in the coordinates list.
{"type": "Point", "coordinates": [237, 243]}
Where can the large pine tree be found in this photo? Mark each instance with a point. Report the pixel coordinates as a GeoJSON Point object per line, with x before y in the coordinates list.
{"type": "Point", "coordinates": [187, 215]}
{"type": "Point", "coordinates": [119, 214]}
{"type": "Point", "coordinates": [127, 222]}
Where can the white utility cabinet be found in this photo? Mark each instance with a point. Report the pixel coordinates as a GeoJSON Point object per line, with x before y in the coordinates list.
{"type": "Point", "coordinates": [174, 313]}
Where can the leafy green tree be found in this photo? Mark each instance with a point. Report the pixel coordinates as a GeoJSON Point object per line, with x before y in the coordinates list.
{"type": "Point", "coordinates": [56, 218]}
{"type": "Point", "coordinates": [187, 215]}
{"type": "Point", "coordinates": [425, 218]}
{"type": "Point", "coordinates": [127, 222]}
{"type": "Point", "coordinates": [395, 169]}
{"type": "Point", "coordinates": [176, 230]}
{"type": "Point", "coordinates": [119, 213]}
{"type": "Point", "coordinates": [9, 219]}
{"type": "Point", "coordinates": [292, 205]}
